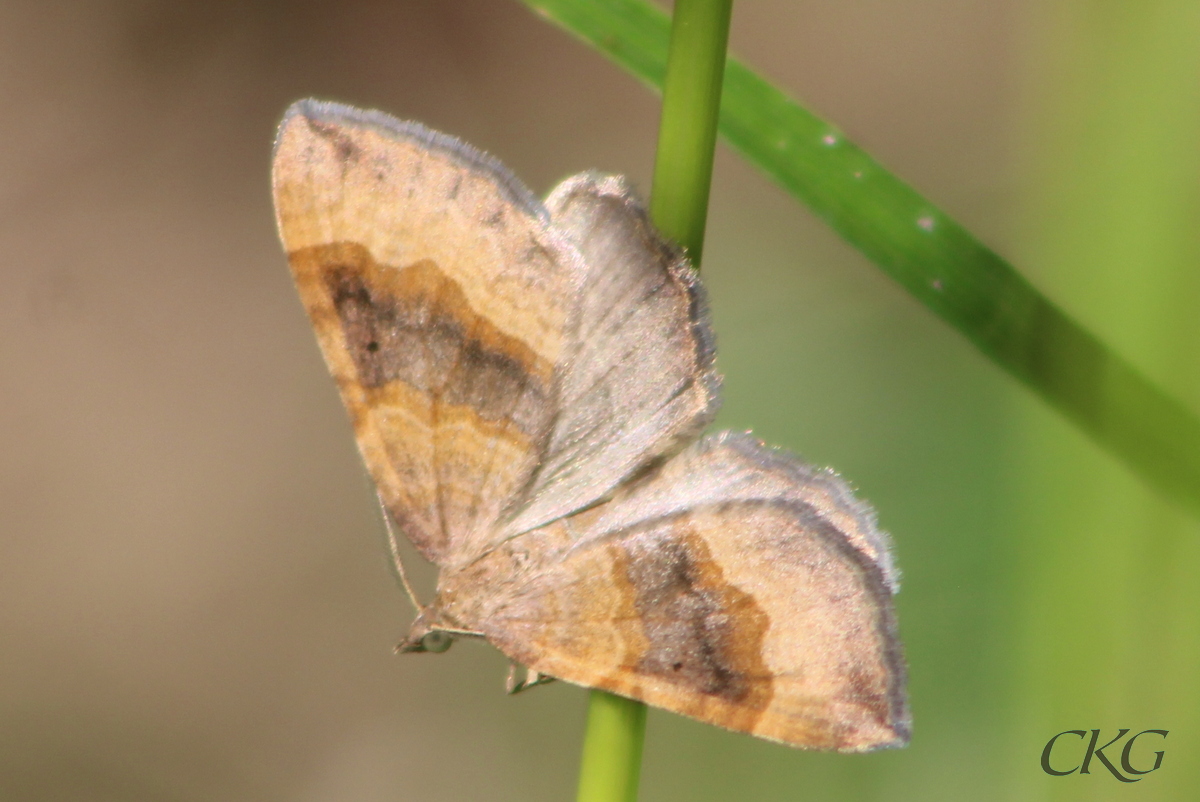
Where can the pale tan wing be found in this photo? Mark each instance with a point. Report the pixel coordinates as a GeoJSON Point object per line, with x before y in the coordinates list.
{"type": "Point", "coordinates": [638, 382]}
{"type": "Point", "coordinates": [439, 296]}
{"type": "Point", "coordinates": [763, 607]}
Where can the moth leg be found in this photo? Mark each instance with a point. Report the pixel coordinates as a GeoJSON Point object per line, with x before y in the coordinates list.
{"type": "Point", "coordinates": [532, 678]}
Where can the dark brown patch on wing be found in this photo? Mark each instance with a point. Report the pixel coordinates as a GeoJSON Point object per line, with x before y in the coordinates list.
{"type": "Point", "coordinates": [449, 410]}
{"type": "Point", "coordinates": [704, 633]}
{"type": "Point", "coordinates": [414, 324]}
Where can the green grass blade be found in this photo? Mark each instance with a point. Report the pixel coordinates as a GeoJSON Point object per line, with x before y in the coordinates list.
{"type": "Point", "coordinates": [934, 258]}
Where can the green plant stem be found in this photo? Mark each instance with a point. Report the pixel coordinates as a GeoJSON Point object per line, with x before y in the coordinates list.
{"type": "Point", "coordinates": [612, 749]}
{"type": "Point", "coordinates": [938, 261]}
{"type": "Point", "coordinates": [687, 136]}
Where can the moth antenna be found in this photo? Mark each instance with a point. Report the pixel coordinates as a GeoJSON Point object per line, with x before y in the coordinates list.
{"type": "Point", "coordinates": [394, 550]}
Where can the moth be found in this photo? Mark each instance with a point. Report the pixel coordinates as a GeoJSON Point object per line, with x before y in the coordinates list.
{"type": "Point", "coordinates": [528, 384]}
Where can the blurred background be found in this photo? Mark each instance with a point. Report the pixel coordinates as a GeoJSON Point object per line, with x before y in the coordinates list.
{"type": "Point", "coordinates": [195, 602]}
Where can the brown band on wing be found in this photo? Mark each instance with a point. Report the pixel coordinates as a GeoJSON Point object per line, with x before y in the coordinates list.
{"type": "Point", "coordinates": [449, 410]}
{"type": "Point", "coordinates": [414, 324]}
{"type": "Point", "coordinates": [703, 633]}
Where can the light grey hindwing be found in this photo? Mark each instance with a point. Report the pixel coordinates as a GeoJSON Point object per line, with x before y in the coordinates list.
{"type": "Point", "coordinates": [639, 381]}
